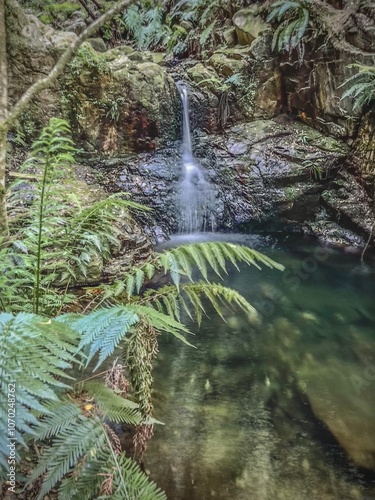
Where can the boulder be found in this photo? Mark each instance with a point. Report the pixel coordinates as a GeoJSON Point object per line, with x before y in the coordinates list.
{"type": "Point", "coordinates": [225, 64]}
{"type": "Point", "coordinates": [348, 202]}
{"type": "Point", "coordinates": [97, 44]}
{"type": "Point", "coordinates": [33, 48]}
{"type": "Point", "coordinates": [266, 103]}
{"type": "Point", "coordinates": [238, 53]}
{"type": "Point", "coordinates": [205, 78]}
{"type": "Point", "coordinates": [230, 36]}
{"type": "Point", "coordinates": [261, 47]}
{"type": "Point", "coordinates": [342, 397]}
{"type": "Point", "coordinates": [249, 25]}
{"type": "Point", "coordinates": [120, 101]}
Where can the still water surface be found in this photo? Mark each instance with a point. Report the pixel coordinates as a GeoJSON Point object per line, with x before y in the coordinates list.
{"type": "Point", "coordinates": [281, 407]}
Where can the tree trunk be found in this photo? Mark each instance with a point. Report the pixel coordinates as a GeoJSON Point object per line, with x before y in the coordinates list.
{"type": "Point", "coordinates": [3, 117]}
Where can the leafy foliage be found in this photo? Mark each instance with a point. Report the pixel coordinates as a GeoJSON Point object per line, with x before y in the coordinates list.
{"type": "Point", "coordinates": [145, 25]}
{"type": "Point", "coordinates": [362, 86]}
{"type": "Point", "coordinates": [205, 18]}
{"type": "Point", "coordinates": [183, 260]}
{"type": "Point", "coordinates": [176, 26]}
{"type": "Point", "coordinates": [293, 20]}
{"type": "Point", "coordinates": [35, 353]}
{"type": "Point", "coordinates": [54, 237]}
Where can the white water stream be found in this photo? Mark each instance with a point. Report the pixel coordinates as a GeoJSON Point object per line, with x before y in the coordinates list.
{"type": "Point", "coordinates": [196, 198]}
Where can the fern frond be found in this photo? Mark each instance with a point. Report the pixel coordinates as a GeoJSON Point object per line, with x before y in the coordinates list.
{"type": "Point", "coordinates": [170, 300]}
{"type": "Point", "coordinates": [57, 416]}
{"type": "Point", "coordinates": [293, 20]}
{"type": "Point", "coordinates": [102, 330]}
{"type": "Point", "coordinates": [206, 34]}
{"type": "Point", "coordinates": [362, 89]}
{"type": "Point", "coordinates": [35, 354]}
{"type": "Point", "coordinates": [129, 482]}
{"type": "Point", "coordinates": [180, 260]}
{"type": "Point", "coordinates": [161, 322]}
{"type": "Point", "coordinates": [81, 436]}
{"type": "Point", "coordinates": [112, 405]}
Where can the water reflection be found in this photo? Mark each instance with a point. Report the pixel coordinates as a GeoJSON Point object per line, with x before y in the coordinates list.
{"type": "Point", "coordinates": [277, 409]}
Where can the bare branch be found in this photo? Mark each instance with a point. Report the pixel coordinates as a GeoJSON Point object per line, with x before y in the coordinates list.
{"type": "Point", "coordinates": [87, 9]}
{"type": "Point", "coordinates": [97, 4]}
{"type": "Point", "coordinates": [59, 67]}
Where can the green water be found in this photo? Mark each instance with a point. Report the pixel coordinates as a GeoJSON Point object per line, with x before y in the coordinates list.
{"type": "Point", "coordinates": [280, 407]}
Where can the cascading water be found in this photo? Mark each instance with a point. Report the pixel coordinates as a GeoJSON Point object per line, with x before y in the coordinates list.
{"type": "Point", "coordinates": [196, 197]}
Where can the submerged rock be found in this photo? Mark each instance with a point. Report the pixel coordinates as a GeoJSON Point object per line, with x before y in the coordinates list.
{"type": "Point", "coordinates": [342, 398]}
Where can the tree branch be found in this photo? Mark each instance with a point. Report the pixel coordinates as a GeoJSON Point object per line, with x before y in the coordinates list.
{"type": "Point", "coordinates": [59, 67]}
{"type": "Point", "coordinates": [87, 9]}
{"type": "Point", "coordinates": [97, 4]}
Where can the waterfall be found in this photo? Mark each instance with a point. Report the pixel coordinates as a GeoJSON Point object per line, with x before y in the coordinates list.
{"type": "Point", "coordinates": [196, 197]}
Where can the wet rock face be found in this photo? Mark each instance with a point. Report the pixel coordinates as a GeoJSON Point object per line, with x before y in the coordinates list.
{"type": "Point", "coordinates": [349, 203]}
{"type": "Point", "coordinates": [267, 174]}
{"type": "Point", "coordinates": [315, 85]}
{"type": "Point", "coordinates": [364, 149]}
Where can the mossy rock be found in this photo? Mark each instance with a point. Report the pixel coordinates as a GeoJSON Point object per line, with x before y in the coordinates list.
{"type": "Point", "coordinates": [230, 37]}
{"type": "Point", "coordinates": [65, 9]}
{"type": "Point", "coordinates": [97, 44]}
{"type": "Point", "coordinates": [118, 104]}
{"type": "Point", "coordinates": [205, 78]}
{"type": "Point", "coordinates": [238, 53]}
{"type": "Point", "coordinates": [225, 65]}
{"type": "Point", "coordinates": [46, 18]}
